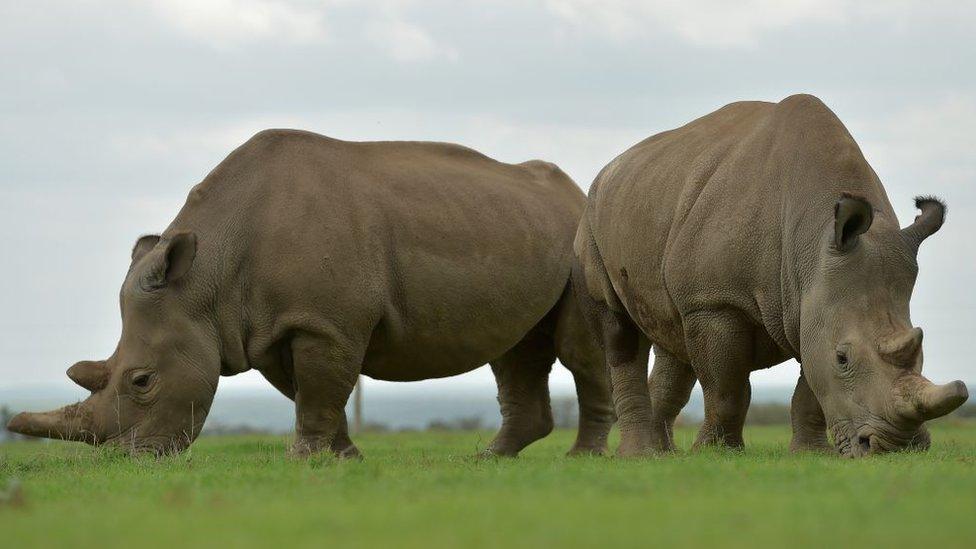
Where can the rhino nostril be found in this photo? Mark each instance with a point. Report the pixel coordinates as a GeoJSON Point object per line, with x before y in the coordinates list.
{"type": "Point", "coordinates": [864, 443]}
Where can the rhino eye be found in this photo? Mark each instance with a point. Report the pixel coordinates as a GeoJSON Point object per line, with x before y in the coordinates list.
{"type": "Point", "coordinates": [844, 360]}
{"type": "Point", "coordinates": [141, 380]}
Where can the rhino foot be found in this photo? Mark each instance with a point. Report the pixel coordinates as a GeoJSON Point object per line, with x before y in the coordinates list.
{"type": "Point", "coordinates": [583, 450]}
{"type": "Point", "coordinates": [496, 453]}
{"type": "Point", "coordinates": [814, 444]}
{"type": "Point", "coordinates": [797, 448]}
{"type": "Point", "coordinates": [643, 442]}
{"type": "Point", "coordinates": [349, 452]}
{"type": "Point", "coordinates": [629, 453]}
{"type": "Point", "coordinates": [304, 447]}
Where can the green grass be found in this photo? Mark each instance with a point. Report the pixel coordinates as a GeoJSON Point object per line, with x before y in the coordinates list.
{"type": "Point", "coordinates": [425, 489]}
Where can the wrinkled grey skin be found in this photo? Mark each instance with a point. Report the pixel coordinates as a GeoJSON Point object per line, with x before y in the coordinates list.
{"type": "Point", "coordinates": [749, 236]}
{"type": "Point", "coordinates": [313, 261]}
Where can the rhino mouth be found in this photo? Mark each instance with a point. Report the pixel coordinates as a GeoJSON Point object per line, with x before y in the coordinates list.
{"type": "Point", "coordinates": [876, 436]}
{"type": "Point", "coordinates": [154, 445]}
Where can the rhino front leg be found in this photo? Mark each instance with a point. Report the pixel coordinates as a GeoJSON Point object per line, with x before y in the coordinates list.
{"type": "Point", "coordinates": [720, 347]}
{"type": "Point", "coordinates": [522, 375]}
{"type": "Point", "coordinates": [341, 445]}
{"type": "Point", "coordinates": [580, 352]}
{"type": "Point", "coordinates": [670, 385]}
{"type": "Point", "coordinates": [595, 411]}
{"type": "Point", "coordinates": [807, 420]}
{"type": "Point", "coordinates": [326, 370]}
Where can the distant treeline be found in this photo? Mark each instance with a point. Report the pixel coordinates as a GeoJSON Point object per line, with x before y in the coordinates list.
{"type": "Point", "coordinates": [565, 416]}
{"type": "Point", "coordinates": [564, 410]}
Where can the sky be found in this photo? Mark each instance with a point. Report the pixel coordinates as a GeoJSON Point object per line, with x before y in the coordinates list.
{"type": "Point", "coordinates": [111, 110]}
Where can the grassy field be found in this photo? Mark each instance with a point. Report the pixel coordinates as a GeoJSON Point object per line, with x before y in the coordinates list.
{"type": "Point", "coordinates": [425, 489]}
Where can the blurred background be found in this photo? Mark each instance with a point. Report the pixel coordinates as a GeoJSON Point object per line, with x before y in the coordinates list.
{"type": "Point", "coordinates": [111, 110]}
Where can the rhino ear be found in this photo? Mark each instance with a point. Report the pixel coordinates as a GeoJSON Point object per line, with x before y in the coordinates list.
{"type": "Point", "coordinates": [178, 252]}
{"type": "Point", "coordinates": [852, 217]}
{"type": "Point", "coordinates": [143, 245]}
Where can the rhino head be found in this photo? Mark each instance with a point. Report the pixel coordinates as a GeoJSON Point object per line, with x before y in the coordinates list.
{"type": "Point", "coordinates": [859, 351]}
{"type": "Point", "coordinates": [154, 392]}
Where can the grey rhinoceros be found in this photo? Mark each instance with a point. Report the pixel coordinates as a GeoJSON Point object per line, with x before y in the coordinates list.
{"type": "Point", "coordinates": [749, 236]}
{"type": "Point", "coordinates": [314, 260]}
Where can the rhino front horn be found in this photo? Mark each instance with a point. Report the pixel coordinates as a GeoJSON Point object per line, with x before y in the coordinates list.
{"type": "Point", "coordinates": [938, 400]}
{"type": "Point", "coordinates": [92, 375]}
{"type": "Point", "coordinates": [69, 423]}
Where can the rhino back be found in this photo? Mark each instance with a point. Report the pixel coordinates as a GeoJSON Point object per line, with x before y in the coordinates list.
{"type": "Point", "coordinates": [727, 212]}
{"type": "Point", "coordinates": [437, 256]}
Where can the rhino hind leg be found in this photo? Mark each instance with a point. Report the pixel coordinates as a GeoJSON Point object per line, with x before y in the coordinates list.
{"type": "Point", "coordinates": [670, 385]}
{"type": "Point", "coordinates": [625, 348]}
{"type": "Point", "coordinates": [522, 375]}
{"type": "Point", "coordinates": [721, 352]}
{"type": "Point", "coordinates": [626, 351]}
{"type": "Point", "coordinates": [807, 421]}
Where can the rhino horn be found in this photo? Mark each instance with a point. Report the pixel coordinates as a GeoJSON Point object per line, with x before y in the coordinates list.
{"type": "Point", "coordinates": [923, 400]}
{"type": "Point", "coordinates": [72, 422]}
{"type": "Point", "coordinates": [901, 349]}
{"type": "Point", "coordinates": [92, 375]}
{"type": "Point", "coordinates": [927, 222]}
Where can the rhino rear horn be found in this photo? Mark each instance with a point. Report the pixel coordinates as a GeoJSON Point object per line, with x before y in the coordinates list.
{"type": "Point", "coordinates": [901, 349]}
{"type": "Point", "coordinates": [90, 374]}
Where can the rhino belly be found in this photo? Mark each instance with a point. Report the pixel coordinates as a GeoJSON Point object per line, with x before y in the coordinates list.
{"type": "Point", "coordinates": [448, 325]}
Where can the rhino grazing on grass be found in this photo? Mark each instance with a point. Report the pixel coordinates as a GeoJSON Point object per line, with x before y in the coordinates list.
{"type": "Point", "coordinates": [314, 260]}
{"type": "Point", "coordinates": [749, 236]}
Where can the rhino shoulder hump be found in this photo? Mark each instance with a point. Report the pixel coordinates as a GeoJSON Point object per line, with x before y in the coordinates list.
{"type": "Point", "coordinates": [274, 137]}
{"type": "Point", "coordinates": [552, 175]}
{"type": "Point", "coordinates": [804, 104]}
{"type": "Point", "coordinates": [547, 170]}
{"type": "Point", "coordinates": [803, 99]}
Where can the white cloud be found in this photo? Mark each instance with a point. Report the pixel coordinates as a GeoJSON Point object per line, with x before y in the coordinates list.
{"type": "Point", "coordinates": [935, 139]}
{"type": "Point", "coordinates": [406, 42]}
{"type": "Point", "coordinates": [225, 24]}
{"type": "Point", "coordinates": [111, 109]}
{"type": "Point", "coordinates": [929, 141]}
{"type": "Point", "coordinates": [228, 23]}
{"type": "Point", "coordinates": [715, 23]}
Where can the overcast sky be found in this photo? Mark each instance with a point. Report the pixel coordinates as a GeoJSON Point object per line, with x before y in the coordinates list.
{"type": "Point", "coordinates": [111, 110]}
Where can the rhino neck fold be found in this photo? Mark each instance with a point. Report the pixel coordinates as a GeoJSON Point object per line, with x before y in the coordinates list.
{"type": "Point", "coordinates": [216, 281]}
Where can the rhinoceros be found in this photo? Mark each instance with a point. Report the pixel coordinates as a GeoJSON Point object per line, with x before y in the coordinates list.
{"type": "Point", "coordinates": [752, 235]}
{"type": "Point", "coordinates": [314, 260]}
